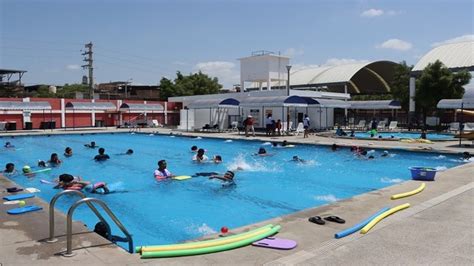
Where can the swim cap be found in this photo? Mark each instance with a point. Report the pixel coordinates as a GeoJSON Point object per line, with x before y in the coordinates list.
{"type": "Point", "coordinates": [26, 169]}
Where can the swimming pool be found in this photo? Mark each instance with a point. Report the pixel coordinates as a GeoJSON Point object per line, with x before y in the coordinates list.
{"type": "Point", "coordinates": [173, 211]}
{"type": "Point", "coordinates": [406, 135]}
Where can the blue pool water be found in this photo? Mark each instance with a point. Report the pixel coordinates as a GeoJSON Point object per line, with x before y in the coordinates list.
{"type": "Point", "coordinates": [406, 135]}
{"type": "Point", "coordinates": [173, 211]}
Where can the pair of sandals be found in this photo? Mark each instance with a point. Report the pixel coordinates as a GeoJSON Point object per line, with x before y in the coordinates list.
{"type": "Point", "coordinates": [319, 220]}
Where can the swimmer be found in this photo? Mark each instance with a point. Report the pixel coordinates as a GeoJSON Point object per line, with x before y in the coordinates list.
{"type": "Point", "coordinates": [217, 159]}
{"type": "Point", "coordinates": [371, 157]}
{"type": "Point", "coordinates": [8, 145]}
{"type": "Point", "coordinates": [67, 181]}
{"type": "Point", "coordinates": [162, 173]}
{"type": "Point", "coordinates": [104, 231]}
{"type": "Point", "coordinates": [9, 168]}
{"type": "Point", "coordinates": [101, 156]}
{"type": "Point", "coordinates": [228, 177]}
{"type": "Point", "coordinates": [466, 155]}
{"type": "Point", "coordinates": [128, 152]}
{"type": "Point", "coordinates": [385, 154]}
{"type": "Point", "coordinates": [42, 163]}
{"type": "Point", "coordinates": [27, 171]}
{"type": "Point", "coordinates": [262, 152]}
{"type": "Point", "coordinates": [284, 143]}
{"type": "Point", "coordinates": [194, 149]}
{"type": "Point", "coordinates": [91, 145]}
{"type": "Point", "coordinates": [352, 134]}
{"type": "Point", "coordinates": [334, 147]}
{"type": "Point", "coordinates": [297, 159]}
{"type": "Point", "coordinates": [98, 188]}
{"type": "Point", "coordinates": [68, 152]}
{"type": "Point", "coordinates": [54, 159]}
{"type": "Point", "coordinates": [200, 156]}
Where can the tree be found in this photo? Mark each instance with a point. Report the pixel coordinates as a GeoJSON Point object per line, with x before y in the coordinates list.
{"type": "Point", "coordinates": [69, 90]}
{"type": "Point", "coordinates": [438, 82]}
{"type": "Point", "coordinates": [399, 86]}
{"type": "Point", "coordinates": [194, 84]}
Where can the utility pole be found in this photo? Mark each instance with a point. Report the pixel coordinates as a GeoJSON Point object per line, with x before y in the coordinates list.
{"type": "Point", "coordinates": [89, 61]}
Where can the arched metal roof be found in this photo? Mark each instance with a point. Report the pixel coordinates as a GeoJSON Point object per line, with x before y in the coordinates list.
{"type": "Point", "coordinates": [141, 107]}
{"type": "Point", "coordinates": [370, 77]}
{"type": "Point", "coordinates": [14, 105]}
{"type": "Point", "coordinates": [214, 103]}
{"type": "Point", "coordinates": [90, 106]}
{"type": "Point", "coordinates": [453, 55]}
{"type": "Point", "coordinates": [375, 105]}
{"type": "Point", "coordinates": [276, 101]}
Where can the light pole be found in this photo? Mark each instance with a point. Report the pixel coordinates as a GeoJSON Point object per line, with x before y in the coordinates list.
{"type": "Point", "coordinates": [288, 68]}
{"type": "Point", "coordinates": [129, 81]}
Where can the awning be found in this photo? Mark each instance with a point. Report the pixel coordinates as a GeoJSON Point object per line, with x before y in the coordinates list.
{"type": "Point", "coordinates": [214, 103]}
{"type": "Point", "coordinates": [375, 105]}
{"type": "Point", "coordinates": [12, 105]}
{"type": "Point", "coordinates": [155, 107]}
{"type": "Point", "coordinates": [275, 101]}
{"type": "Point", "coordinates": [90, 106]}
{"type": "Point", "coordinates": [466, 103]}
{"type": "Point", "coordinates": [326, 103]}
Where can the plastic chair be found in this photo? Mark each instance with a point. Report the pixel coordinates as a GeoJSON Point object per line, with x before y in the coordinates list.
{"type": "Point", "coordinates": [381, 125]}
{"type": "Point", "coordinates": [361, 125]}
{"type": "Point", "coordinates": [299, 129]}
{"type": "Point", "coordinates": [393, 125]}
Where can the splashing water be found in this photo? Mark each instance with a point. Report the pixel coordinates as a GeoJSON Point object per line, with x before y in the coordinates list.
{"type": "Point", "coordinates": [390, 180]}
{"type": "Point", "coordinates": [327, 198]}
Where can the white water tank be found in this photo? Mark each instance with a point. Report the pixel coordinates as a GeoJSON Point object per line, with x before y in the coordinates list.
{"type": "Point", "coordinates": [52, 89]}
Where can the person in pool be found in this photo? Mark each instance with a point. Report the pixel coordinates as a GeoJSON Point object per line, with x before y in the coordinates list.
{"type": "Point", "coordinates": [423, 134]}
{"type": "Point", "coordinates": [91, 145]}
{"type": "Point", "coordinates": [200, 156]}
{"type": "Point", "coordinates": [102, 229]}
{"type": "Point", "coordinates": [385, 154]}
{"type": "Point", "coordinates": [297, 159]}
{"type": "Point", "coordinates": [54, 160]}
{"type": "Point", "coordinates": [42, 164]}
{"type": "Point", "coordinates": [217, 159]}
{"type": "Point", "coordinates": [9, 168]}
{"type": "Point", "coordinates": [262, 152]}
{"type": "Point", "coordinates": [466, 155]}
{"type": "Point", "coordinates": [194, 148]}
{"type": "Point", "coordinates": [68, 152]}
{"type": "Point", "coordinates": [352, 135]}
{"type": "Point", "coordinates": [128, 152]}
{"type": "Point", "coordinates": [228, 177]}
{"type": "Point", "coordinates": [162, 173]}
{"type": "Point", "coordinates": [27, 171]}
{"type": "Point", "coordinates": [8, 145]}
{"type": "Point", "coordinates": [67, 181]}
{"type": "Point", "coordinates": [284, 143]}
{"type": "Point", "coordinates": [101, 156]}
{"type": "Point", "coordinates": [334, 147]}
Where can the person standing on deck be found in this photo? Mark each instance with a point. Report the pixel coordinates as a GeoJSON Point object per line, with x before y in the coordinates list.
{"type": "Point", "coordinates": [306, 125]}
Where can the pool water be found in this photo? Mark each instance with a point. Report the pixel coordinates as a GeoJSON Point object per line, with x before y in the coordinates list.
{"type": "Point", "coordinates": [173, 211]}
{"type": "Point", "coordinates": [406, 135]}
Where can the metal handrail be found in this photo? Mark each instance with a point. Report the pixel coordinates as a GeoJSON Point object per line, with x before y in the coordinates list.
{"type": "Point", "coordinates": [107, 210]}
{"type": "Point", "coordinates": [51, 238]}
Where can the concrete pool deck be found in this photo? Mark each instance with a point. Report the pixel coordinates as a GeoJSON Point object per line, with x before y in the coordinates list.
{"type": "Point", "coordinates": [436, 229]}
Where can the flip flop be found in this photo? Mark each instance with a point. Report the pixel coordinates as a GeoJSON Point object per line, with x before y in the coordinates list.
{"type": "Point", "coordinates": [316, 220]}
{"type": "Point", "coordinates": [334, 219]}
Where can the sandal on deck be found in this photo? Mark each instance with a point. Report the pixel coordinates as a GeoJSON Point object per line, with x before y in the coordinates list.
{"type": "Point", "coordinates": [334, 219]}
{"type": "Point", "coordinates": [316, 220]}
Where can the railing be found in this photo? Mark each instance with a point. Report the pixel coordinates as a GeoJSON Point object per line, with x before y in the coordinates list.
{"type": "Point", "coordinates": [109, 212]}
{"type": "Point", "coordinates": [51, 238]}
{"type": "Point", "coordinates": [87, 201]}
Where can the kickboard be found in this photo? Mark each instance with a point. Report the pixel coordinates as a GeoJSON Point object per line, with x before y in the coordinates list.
{"type": "Point", "coordinates": [19, 197]}
{"type": "Point", "coordinates": [41, 170]}
{"type": "Point", "coordinates": [289, 146]}
{"type": "Point", "coordinates": [29, 208]}
{"type": "Point", "coordinates": [181, 177]}
{"type": "Point", "coordinates": [276, 243]}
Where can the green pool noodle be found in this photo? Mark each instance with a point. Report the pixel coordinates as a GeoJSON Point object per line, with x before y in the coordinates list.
{"type": "Point", "coordinates": [139, 248]}
{"type": "Point", "coordinates": [197, 251]}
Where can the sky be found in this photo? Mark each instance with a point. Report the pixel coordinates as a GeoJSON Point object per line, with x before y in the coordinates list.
{"type": "Point", "coordinates": [143, 41]}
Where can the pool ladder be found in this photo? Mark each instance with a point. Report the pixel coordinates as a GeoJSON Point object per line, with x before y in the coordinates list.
{"type": "Point", "coordinates": [70, 212]}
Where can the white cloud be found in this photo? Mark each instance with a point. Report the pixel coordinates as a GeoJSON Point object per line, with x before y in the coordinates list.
{"type": "Point", "coordinates": [463, 38]}
{"type": "Point", "coordinates": [292, 52]}
{"type": "Point", "coordinates": [73, 67]}
{"type": "Point", "coordinates": [370, 13]}
{"type": "Point", "coordinates": [396, 44]}
{"type": "Point", "coordinates": [343, 61]}
{"type": "Point", "coordinates": [226, 72]}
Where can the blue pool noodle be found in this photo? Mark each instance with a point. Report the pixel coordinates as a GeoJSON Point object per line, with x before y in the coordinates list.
{"type": "Point", "coordinates": [359, 226]}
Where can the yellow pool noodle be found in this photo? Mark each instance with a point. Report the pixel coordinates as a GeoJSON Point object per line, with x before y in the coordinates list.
{"type": "Point", "coordinates": [203, 244]}
{"type": "Point", "coordinates": [382, 216]}
{"type": "Point", "coordinates": [409, 193]}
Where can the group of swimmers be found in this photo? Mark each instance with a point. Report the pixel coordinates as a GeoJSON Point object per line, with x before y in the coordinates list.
{"type": "Point", "coordinates": [66, 181]}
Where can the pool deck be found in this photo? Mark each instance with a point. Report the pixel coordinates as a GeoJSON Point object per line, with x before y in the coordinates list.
{"type": "Point", "coordinates": [437, 228]}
